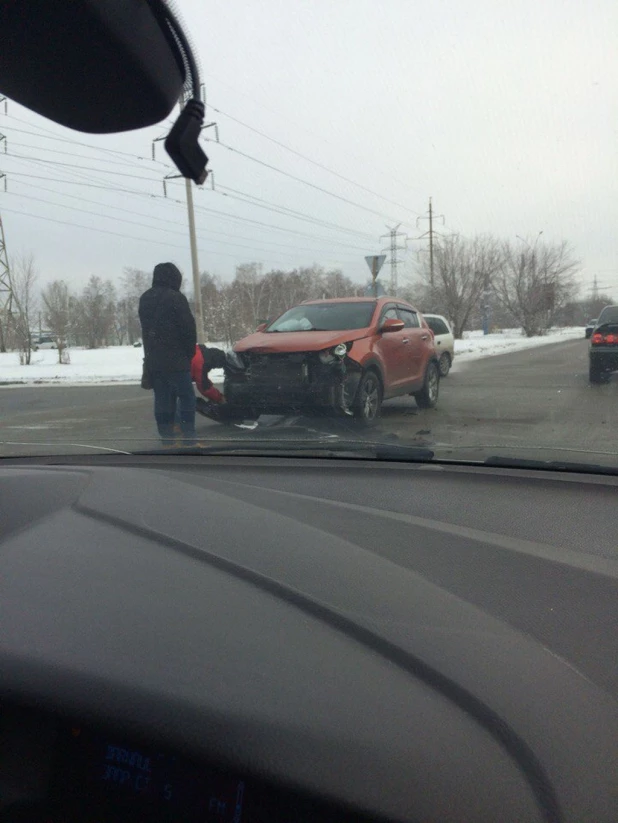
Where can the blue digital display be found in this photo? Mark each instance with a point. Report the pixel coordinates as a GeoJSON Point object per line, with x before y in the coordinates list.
{"type": "Point", "coordinates": [132, 782]}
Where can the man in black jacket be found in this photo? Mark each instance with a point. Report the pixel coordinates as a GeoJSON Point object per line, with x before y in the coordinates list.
{"type": "Point", "coordinates": [169, 336]}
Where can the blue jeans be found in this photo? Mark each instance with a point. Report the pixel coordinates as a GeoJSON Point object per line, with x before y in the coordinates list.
{"type": "Point", "coordinates": [173, 391]}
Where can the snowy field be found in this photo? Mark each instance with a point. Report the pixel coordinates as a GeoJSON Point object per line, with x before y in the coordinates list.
{"type": "Point", "coordinates": [123, 364]}
{"type": "Point", "coordinates": [116, 364]}
{"type": "Point", "coordinates": [475, 344]}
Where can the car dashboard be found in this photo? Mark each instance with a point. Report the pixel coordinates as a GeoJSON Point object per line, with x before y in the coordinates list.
{"type": "Point", "coordinates": [271, 639]}
{"type": "Point", "coordinates": [57, 770]}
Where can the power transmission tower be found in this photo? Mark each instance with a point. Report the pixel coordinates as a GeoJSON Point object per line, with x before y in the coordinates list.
{"type": "Point", "coordinates": [7, 295]}
{"type": "Point", "coordinates": [5, 101]}
{"type": "Point", "coordinates": [394, 234]}
{"type": "Point", "coordinates": [431, 233]}
{"type": "Point", "coordinates": [597, 290]}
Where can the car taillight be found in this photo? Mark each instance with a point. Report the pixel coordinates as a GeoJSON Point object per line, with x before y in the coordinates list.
{"type": "Point", "coordinates": [608, 339]}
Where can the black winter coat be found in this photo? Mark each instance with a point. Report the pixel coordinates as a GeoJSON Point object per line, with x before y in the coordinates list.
{"type": "Point", "coordinates": [168, 327]}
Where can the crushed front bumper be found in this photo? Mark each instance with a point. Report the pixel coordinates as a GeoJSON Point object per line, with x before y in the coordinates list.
{"type": "Point", "coordinates": [279, 383]}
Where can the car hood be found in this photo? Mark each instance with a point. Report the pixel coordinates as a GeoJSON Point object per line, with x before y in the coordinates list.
{"type": "Point", "coordinates": [267, 342]}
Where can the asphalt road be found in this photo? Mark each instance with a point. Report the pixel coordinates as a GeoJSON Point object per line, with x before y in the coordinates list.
{"type": "Point", "coordinates": [525, 403]}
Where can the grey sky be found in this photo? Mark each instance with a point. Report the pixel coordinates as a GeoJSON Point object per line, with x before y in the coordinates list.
{"type": "Point", "coordinates": [505, 114]}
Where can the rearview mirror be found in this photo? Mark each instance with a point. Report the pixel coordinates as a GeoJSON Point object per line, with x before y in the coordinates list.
{"type": "Point", "coordinates": [97, 66]}
{"type": "Point", "coordinates": [391, 325]}
{"type": "Point", "coordinates": [261, 327]}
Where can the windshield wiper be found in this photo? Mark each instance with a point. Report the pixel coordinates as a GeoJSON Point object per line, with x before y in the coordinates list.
{"type": "Point", "coordinates": [295, 331]}
{"type": "Point", "coordinates": [330, 447]}
{"type": "Point", "coordinates": [496, 461]}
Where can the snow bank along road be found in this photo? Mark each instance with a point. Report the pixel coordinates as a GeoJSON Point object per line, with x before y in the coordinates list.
{"type": "Point", "coordinates": [524, 400]}
{"type": "Point", "coordinates": [123, 364]}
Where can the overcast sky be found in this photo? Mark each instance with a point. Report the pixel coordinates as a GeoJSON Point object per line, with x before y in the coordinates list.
{"type": "Point", "coordinates": [505, 114]}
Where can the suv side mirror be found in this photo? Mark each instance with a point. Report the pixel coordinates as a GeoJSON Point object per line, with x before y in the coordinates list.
{"type": "Point", "coordinates": [391, 325]}
{"type": "Point", "coordinates": [261, 327]}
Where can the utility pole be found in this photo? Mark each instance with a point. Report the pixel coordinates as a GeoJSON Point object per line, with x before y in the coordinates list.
{"type": "Point", "coordinates": [197, 289]}
{"type": "Point", "coordinates": [197, 286]}
{"type": "Point", "coordinates": [394, 234]}
{"type": "Point", "coordinates": [431, 217]}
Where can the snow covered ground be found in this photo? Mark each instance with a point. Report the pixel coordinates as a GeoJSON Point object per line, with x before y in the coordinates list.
{"type": "Point", "coordinates": [123, 364]}
{"type": "Point", "coordinates": [116, 364]}
{"type": "Point", "coordinates": [475, 344]}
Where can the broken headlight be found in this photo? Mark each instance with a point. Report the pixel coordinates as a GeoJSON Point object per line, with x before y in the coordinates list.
{"type": "Point", "coordinates": [333, 355]}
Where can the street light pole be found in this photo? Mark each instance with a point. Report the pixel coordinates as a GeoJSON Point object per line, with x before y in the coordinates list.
{"type": "Point", "coordinates": [197, 289]}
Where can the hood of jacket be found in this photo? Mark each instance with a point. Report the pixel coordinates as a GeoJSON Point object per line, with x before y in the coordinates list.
{"type": "Point", "coordinates": [167, 275]}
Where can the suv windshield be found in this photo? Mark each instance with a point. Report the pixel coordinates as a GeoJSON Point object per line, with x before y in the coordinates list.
{"type": "Point", "coordinates": [329, 317]}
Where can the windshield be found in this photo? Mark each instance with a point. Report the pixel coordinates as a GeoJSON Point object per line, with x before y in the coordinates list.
{"type": "Point", "coordinates": [333, 317]}
{"type": "Point", "coordinates": [440, 160]}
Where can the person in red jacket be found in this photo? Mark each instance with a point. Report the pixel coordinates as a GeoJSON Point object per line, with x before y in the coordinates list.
{"type": "Point", "coordinates": [203, 361]}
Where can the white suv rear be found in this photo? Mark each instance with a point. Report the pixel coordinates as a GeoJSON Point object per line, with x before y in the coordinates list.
{"type": "Point", "coordinates": [444, 340]}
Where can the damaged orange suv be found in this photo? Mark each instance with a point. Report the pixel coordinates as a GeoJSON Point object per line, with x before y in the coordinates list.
{"type": "Point", "coordinates": [345, 355]}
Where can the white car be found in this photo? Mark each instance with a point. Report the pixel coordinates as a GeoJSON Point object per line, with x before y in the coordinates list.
{"type": "Point", "coordinates": [45, 341]}
{"type": "Point", "coordinates": [444, 340]}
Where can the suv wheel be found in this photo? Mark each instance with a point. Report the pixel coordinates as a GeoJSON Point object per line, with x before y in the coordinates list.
{"type": "Point", "coordinates": [368, 399]}
{"type": "Point", "coordinates": [445, 364]}
{"type": "Point", "coordinates": [427, 397]}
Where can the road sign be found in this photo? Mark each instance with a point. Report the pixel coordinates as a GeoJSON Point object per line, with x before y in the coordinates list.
{"type": "Point", "coordinates": [375, 263]}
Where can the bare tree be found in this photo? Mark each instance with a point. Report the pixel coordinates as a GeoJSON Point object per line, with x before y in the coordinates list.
{"type": "Point", "coordinates": [56, 303]}
{"type": "Point", "coordinates": [133, 284]}
{"type": "Point", "coordinates": [94, 312]}
{"type": "Point", "coordinates": [535, 282]}
{"type": "Point", "coordinates": [463, 271]}
{"type": "Point", "coordinates": [25, 276]}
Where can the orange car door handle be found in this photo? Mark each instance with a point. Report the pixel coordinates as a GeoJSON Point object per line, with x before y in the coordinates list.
{"type": "Point", "coordinates": [425, 337]}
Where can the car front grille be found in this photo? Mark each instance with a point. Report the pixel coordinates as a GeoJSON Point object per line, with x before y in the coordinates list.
{"type": "Point", "coordinates": [292, 368]}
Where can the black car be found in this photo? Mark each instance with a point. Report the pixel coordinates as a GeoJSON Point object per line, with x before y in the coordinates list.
{"type": "Point", "coordinates": [590, 328]}
{"type": "Point", "coordinates": [604, 346]}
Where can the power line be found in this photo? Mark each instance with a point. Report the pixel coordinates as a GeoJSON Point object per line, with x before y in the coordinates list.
{"type": "Point", "coordinates": [76, 169]}
{"type": "Point", "coordinates": [82, 168]}
{"type": "Point", "coordinates": [49, 135]}
{"type": "Point", "coordinates": [265, 204]}
{"type": "Point", "coordinates": [172, 222]}
{"type": "Point", "coordinates": [119, 234]}
{"type": "Point", "coordinates": [297, 125]}
{"type": "Point", "coordinates": [82, 156]}
{"type": "Point", "coordinates": [304, 182]}
{"type": "Point", "coordinates": [254, 246]}
{"type": "Point", "coordinates": [313, 162]}
{"type": "Point", "coordinates": [222, 215]}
